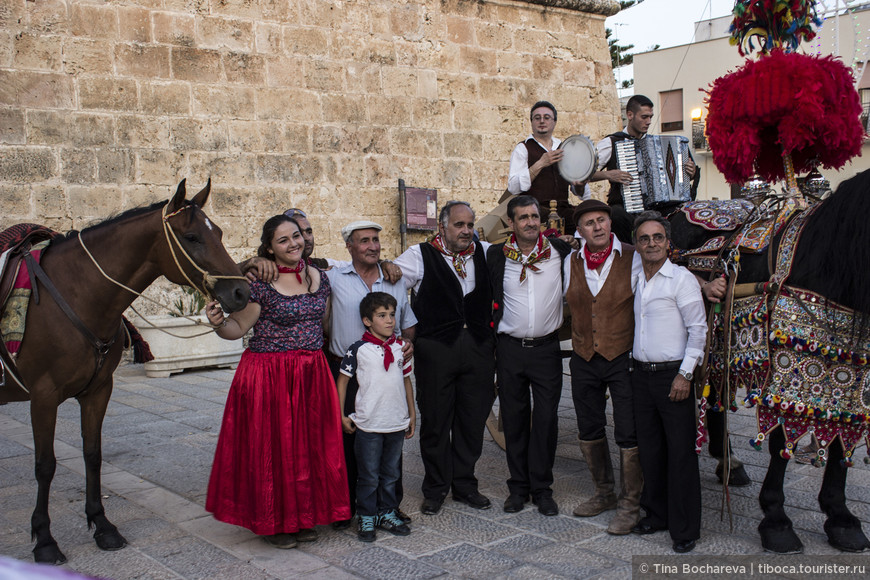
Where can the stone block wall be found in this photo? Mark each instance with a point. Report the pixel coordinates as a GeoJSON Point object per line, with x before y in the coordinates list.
{"type": "Point", "coordinates": [319, 104]}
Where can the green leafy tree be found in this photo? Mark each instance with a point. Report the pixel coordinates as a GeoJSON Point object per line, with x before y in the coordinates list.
{"type": "Point", "coordinates": [619, 55]}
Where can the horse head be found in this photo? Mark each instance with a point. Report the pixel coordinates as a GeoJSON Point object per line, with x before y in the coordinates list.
{"type": "Point", "coordinates": [196, 256]}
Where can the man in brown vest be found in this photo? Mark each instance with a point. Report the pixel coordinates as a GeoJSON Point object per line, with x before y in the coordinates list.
{"type": "Point", "coordinates": [601, 297]}
{"type": "Point", "coordinates": [534, 165]}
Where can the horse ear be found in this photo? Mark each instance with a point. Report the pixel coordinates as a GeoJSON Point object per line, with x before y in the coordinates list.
{"type": "Point", "coordinates": [178, 199]}
{"type": "Point", "coordinates": [200, 198]}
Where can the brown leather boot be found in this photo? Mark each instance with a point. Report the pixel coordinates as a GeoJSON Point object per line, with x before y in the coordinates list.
{"type": "Point", "coordinates": [628, 505]}
{"type": "Point", "coordinates": [598, 459]}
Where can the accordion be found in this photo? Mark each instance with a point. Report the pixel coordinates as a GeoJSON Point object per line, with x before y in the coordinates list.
{"type": "Point", "coordinates": [657, 165]}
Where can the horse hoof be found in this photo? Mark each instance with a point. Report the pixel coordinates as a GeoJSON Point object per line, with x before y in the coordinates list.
{"type": "Point", "coordinates": [110, 540]}
{"type": "Point", "coordinates": [782, 541]}
{"type": "Point", "coordinates": [50, 554]}
{"type": "Point", "coordinates": [847, 539]}
{"type": "Point", "coordinates": [736, 478]}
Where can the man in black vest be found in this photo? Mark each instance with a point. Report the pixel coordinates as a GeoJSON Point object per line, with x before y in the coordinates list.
{"type": "Point", "coordinates": [639, 115]}
{"type": "Point", "coordinates": [454, 347]}
{"type": "Point", "coordinates": [534, 165]}
{"type": "Point", "coordinates": [527, 279]}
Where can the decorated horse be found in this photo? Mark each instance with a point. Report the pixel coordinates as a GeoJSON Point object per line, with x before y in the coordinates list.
{"type": "Point", "coordinates": [798, 341]}
{"type": "Point", "coordinates": [73, 334]}
{"type": "Point", "coordinates": [799, 349]}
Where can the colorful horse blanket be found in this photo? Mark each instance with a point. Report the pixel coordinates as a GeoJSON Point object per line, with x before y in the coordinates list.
{"type": "Point", "coordinates": [796, 362]}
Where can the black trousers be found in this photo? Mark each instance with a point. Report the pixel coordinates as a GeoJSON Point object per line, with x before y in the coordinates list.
{"type": "Point", "coordinates": [666, 442]}
{"type": "Point", "coordinates": [454, 395]}
{"type": "Point", "coordinates": [590, 381]}
{"type": "Point", "coordinates": [349, 440]}
{"type": "Point", "coordinates": [530, 451]}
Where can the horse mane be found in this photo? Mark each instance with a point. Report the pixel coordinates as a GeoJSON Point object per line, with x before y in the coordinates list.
{"type": "Point", "coordinates": [114, 219]}
{"type": "Point", "coordinates": [833, 255]}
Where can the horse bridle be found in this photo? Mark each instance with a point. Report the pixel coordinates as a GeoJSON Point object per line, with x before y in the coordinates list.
{"type": "Point", "coordinates": [208, 280]}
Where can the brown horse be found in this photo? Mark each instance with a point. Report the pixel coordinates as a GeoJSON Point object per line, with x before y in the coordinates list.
{"type": "Point", "coordinates": [57, 361]}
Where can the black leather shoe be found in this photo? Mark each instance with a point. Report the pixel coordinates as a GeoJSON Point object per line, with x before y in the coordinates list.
{"type": "Point", "coordinates": [515, 503]}
{"type": "Point", "coordinates": [684, 546]}
{"type": "Point", "coordinates": [431, 507]}
{"type": "Point", "coordinates": [474, 499]}
{"type": "Point", "coordinates": [547, 506]}
{"type": "Point", "coordinates": [644, 528]}
{"type": "Point", "coordinates": [403, 516]}
{"type": "Point", "coordinates": [341, 524]}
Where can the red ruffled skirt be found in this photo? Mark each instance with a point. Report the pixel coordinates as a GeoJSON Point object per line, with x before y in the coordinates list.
{"type": "Point", "coordinates": [279, 463]}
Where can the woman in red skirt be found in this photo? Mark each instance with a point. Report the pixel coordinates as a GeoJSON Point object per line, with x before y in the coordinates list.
{"type": "Point", "coordinates": [279, 465]}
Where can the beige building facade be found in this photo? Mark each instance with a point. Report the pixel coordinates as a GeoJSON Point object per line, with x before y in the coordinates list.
{"type": "Point", "coordinates": [323, 105]}
{"type": "Point", "coordinates": [675, 79]}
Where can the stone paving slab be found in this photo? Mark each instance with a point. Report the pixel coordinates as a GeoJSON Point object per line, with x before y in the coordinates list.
{"type": "Point", "coordinates": [159, 437]}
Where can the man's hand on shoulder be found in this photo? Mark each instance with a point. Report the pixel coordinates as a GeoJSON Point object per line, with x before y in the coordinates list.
{"type": "Point", "coordinates": [407, 348]}
{"type": "Point", "coordinates": [258, 268]}
{"type": "Point", "coordinates": [392, 273]}
{"type": "Point", "coordinates": [571, 241]}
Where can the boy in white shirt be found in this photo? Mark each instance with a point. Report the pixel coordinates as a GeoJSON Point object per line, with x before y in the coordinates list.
{"type": "Point", "coordinates": [384, 415]}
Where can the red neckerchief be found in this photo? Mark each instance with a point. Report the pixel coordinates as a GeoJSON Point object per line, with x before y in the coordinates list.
{"type": "Point", "coordinates": [299, 267]}
{"type": "Point", "coordinates": [385, 344]}
{"type": "Point", "coordinates": [593, 260]}
{"type": "Point", "coordinates": [459, 258]}
{"type": "Point", "coordinates": [539, 254]}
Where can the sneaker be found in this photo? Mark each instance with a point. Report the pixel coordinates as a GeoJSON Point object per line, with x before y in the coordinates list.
{"type": "Point", "coordinates": [403, 516]}
{"type": "Point", "coordinates": [390, 521]}
{"type": "Point", "coordinates": [281, 541]}
{"type": "Point", "coordinates": [366, 531]}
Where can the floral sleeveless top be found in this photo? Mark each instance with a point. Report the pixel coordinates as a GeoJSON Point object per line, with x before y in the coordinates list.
{"type": "Point", "coordinates": [288, 322]}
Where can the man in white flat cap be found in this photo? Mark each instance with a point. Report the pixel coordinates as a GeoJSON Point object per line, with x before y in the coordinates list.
{"type": "Point", "coordinates": [350, 283]}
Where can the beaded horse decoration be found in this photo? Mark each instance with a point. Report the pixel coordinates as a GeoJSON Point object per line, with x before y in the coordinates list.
{"type": "Point", "coordinates": [818, 381]}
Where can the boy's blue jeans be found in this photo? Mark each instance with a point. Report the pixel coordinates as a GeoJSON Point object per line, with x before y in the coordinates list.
{"type": "Point", "coordinates": [378, 457]}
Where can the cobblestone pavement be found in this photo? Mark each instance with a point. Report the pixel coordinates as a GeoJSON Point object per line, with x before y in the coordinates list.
{"type": "Point", "coordinates": [158, 441]}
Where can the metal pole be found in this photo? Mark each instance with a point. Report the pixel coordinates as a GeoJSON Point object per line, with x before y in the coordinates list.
{"type": "Point", "coordinates": [403, 226]}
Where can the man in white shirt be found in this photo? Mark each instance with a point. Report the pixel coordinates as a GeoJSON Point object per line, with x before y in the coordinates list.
{"type": "Point", "coordinates": [669, 338]}
{"type": "Point", "coordinates": [600, 295]}
{"type": "Point", "coordinates": [454, 355]}
{"type": "Point", "coordinates": [639, 115]}
{"type": "Point", "coordinates": [534, 165]}
{"type": "Point", "coordinates": [527, 278]}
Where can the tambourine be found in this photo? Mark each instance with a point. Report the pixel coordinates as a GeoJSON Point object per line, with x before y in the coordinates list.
{"type": "Point", "coordinates": [580, 158]}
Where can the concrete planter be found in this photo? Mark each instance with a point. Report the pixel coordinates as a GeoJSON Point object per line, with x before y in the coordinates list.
{"type": "Point", "coordinates": [173, 354]}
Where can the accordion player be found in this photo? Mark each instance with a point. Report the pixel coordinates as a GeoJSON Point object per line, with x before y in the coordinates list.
{"type": "Point", "coordinates": [659, 171]}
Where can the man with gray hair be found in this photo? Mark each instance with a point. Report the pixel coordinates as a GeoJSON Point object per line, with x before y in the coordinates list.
{"type": "Point", "coordinates": [351, 282]}
{"type": "Point", "coordinates": [669, 338]}
{"type": "Point", "coordinates": [454, 355]}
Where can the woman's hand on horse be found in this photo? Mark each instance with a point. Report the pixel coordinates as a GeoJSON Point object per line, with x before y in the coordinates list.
{"type": "Point", "coordinates": [214, 313]}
